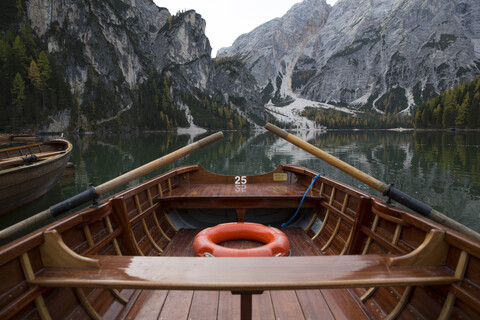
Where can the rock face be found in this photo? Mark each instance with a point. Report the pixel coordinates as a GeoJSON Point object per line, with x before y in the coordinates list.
{"type": "Point", "coordinates": [114, 47]}
{"type": "Point", "coordinates": [364, 52]}
{"type": "Point", "coordinates": [129, 60]}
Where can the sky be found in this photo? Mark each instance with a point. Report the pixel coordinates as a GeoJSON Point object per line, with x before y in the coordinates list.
{"type": "Point", "coordinates": [228, 19]}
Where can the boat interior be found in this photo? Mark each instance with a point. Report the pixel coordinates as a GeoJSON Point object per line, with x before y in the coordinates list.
{"type": "Point", "coordinates": [27, 154]}
{"type": "Point", "coordinates": [352, 256]}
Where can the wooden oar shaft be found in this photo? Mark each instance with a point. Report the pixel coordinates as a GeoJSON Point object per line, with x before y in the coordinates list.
{"type": "Point", "coordinates": [387, 190]}
{"type": "Point", "coordinates": [28, 158]}
{"type": "Point", "coordinates": [328, 158]}
{"type": "Point", "coordinates": [151, 166]}
{"type": "Point", "coordinates": [94, 192]}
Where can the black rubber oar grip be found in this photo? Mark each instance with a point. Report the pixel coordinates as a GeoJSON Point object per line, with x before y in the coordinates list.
{"type": "Point", "coordinates": [408, 201]}
{"type": "Point", "coordinates": [65, 205]}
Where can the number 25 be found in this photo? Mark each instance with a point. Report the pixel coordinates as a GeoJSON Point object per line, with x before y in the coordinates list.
{"type": "Point", "coordinates": [241, 180]}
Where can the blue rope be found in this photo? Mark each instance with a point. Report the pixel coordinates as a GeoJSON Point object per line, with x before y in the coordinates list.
{"type": "Point", "coordinates": [301, 202]}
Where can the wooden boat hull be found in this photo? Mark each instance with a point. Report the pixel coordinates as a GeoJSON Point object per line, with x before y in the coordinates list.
{"type": "Point", "coordinates": [353, 256]}
{"type": "Point", "coordinates": [20, 185]}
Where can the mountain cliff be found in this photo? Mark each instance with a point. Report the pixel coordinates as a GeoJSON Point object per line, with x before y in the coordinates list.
{"type": "Point", "coordinates": [131, 65]}
{"type": "Point", "coordinates": [69, 65]}
{"type": "Point", "coordinates": [385, 55]}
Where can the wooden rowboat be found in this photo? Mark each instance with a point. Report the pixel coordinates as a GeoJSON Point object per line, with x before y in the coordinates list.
{"type": "Point", "coordinates": [17, 138]}
{"type": "Point", "coordinates": [28, 172]}
{"type": "Point", "coordinates": [352, 256]}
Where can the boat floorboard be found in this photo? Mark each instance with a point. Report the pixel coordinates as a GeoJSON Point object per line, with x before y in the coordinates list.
{"type": "Point", "coordinates": [281, 304]}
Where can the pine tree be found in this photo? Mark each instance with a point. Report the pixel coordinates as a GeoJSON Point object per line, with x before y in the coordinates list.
{"type": "Point", "coordinates": [4, 51]}
{"type": "Point", "coordinates": [18, 90]}
{"type": "Point", "coordinates": [463, 112]}
{"type": "Point", "coordinates": [18, 93]}
{"type": "Point", "coordinates": [34, 75]}
{"type": "Point", "coordinates": [437, 116]}
{"type": "Point", "coordinates": [44, 68]}
{"type": "Point", "coordinates": [19, 6]}
{"type": "Point", "coordinates": [474, 119]}
{"type": "Point", "coordinates": [20, 54]}
{"type": "Point", "coordinates": [448, 119]}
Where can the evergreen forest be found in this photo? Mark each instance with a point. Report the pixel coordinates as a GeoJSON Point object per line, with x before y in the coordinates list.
{"type": "Point", "coordinates": [34, 90]}
{"type": "Point", "coordinates": [31, 84]}
{"type": "Point", "coordinates": [458, 107]}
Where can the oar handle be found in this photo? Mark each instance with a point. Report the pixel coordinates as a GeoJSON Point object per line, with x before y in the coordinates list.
{"type": "Point", "coordinates": [427, 211]}
{"type": "Point", "coordinates": [94, 192]}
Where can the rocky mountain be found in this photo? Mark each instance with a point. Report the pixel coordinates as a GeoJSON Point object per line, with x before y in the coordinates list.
{"type": "Point", "coordinates": [130, 65]}
{"type": "Point", "coordinates": [385, 55]}
{"type": "Point", "coordinates": [133, 66]}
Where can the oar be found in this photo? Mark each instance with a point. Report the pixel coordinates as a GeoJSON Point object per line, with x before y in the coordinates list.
{"type": "Point", "coordinates": [386, 190]}
{"type": "Point", "coordinates": [28, 159]}
{"type": "Point", "coordinates": [94, 192]}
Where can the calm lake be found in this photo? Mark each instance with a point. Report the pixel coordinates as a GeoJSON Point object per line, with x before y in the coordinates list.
{"type": "Point", "coordinates": [441, 169]}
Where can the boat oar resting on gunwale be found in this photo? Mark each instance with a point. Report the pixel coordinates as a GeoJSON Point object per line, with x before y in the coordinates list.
{"type": "Point", "coordinates": [351, 255]}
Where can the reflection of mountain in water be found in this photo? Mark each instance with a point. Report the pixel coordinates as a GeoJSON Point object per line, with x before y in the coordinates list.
{"type": "Point", "coordinates": [440, 169]}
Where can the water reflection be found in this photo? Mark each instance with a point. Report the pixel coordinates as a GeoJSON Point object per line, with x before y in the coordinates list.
{"type": "Point", "coordinates": [441, 169]}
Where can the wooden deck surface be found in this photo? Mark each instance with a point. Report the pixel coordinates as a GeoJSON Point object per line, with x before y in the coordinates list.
{"type": "Point", "coordinates": [282, 304]}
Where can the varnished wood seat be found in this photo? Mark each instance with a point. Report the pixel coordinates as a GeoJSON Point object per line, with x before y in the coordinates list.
{"type": "Point", "coordinates": [265, 195]}
{"type": "Point", "coordinates": [422, 267]}
{"type": "Point", "coordinates": [64, 268]}
{"type": "Point", "coordinates": [192, 273]}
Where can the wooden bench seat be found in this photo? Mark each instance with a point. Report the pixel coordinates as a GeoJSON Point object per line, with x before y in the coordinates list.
{"type": "Point", "coordinates": [264, 195]}
{"type": "Point", "coordinates": [214, 277]}
{"type": "Point", "coordinates": [193, 273]}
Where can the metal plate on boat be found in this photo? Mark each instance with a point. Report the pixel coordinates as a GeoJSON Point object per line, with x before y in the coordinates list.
{"type": "Point", "coordinates": [280, 177]}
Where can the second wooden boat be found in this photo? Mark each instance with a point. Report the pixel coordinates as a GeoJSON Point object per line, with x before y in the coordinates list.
{"type": "Point", "coordinates": [28, 172]}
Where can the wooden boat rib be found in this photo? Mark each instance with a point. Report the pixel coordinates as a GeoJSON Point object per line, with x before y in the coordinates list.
{"type": "Point", "coordinates": [28, 172]}
{"type": "Point", "coordinates": [352, 256]}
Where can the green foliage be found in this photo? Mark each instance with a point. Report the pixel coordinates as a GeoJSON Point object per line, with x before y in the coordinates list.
{"type": "Point", "coordinates": [229, 63]}
{"type": "Point", "coordinates": [301, 77]}
{"type": "Point", "coordinates": [357, 45]}
{"type": "Point", "coordinates": [210, 114]}
{"type": "Point", "coordinates": [44, 68]}
{"type": "Point", "coordinates": [458, 107]}
{"type": "Point", "coordinates": [335, 119]}
{"type": "Point", "coordinates": [444, 42]}
{"type": "Point", "coordinates": [155, 109]}
{"type": "Point", "coordinates": [10, 13]}
{"type": "Point", "coordinates": [31, 86]}
{"type": "Point", "coordinates": [18, 91]}
{"type": "Point", "coordinates": [393, 101]}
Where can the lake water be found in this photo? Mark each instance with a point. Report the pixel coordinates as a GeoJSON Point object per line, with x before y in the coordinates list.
{"type": "Point", "coordinates": [441, 169]}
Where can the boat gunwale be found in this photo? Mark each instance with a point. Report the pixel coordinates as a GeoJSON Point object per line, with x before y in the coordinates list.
{"type": "Point", "coordinates": [34, 238]}
{"type": "Point", "coordinates": [453, 237]}
{"type": "Point", "coordinates": [42, 162]}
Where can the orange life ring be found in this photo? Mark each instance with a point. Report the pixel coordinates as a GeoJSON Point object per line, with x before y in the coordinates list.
{"type": "Point", "coordinates": [276, 242]}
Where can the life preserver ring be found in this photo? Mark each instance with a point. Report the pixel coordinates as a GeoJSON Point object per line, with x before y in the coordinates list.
{"type": "Point", "coordinates": [276, 242]}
